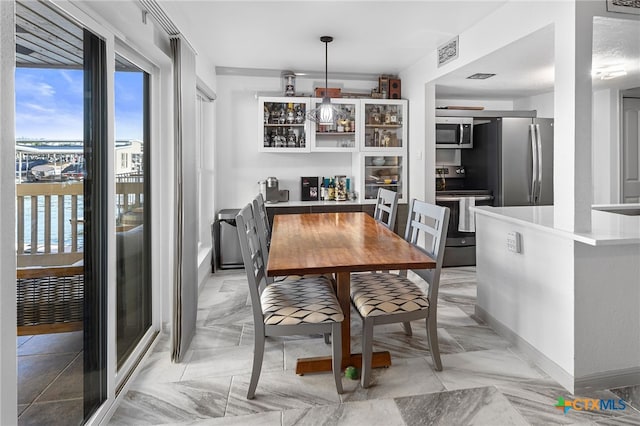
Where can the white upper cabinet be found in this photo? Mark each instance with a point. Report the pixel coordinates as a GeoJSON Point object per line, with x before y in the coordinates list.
{"type": "Point", "coordinates": [383, 125]}
{"type": "Point", "coordinates": [283, 124]}
{"type": "Point", "coordinates": [344, 135]}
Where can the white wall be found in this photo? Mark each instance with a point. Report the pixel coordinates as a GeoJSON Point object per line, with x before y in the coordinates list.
{"type": "Point", "coordinates": [531, 293]}
{"type": "Point", "coordinates": [607, 297]}
{"type": "Point", "coordinates": [606, 137]}
{"type": "Point", "coordinates": [239, 164]}
{"type": "Point", "coordinates": [543, 104]}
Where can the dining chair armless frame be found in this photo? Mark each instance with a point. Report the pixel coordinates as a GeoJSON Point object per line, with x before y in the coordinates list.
{"type": "Point", "coordinates": [386, 207]}
{"type": "Point", "coordinates": [386, 298]}
{"type": "Point", "coordinates": [304, 305]}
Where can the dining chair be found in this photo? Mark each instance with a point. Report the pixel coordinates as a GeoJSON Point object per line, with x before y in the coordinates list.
{"type": "Point", "coordinates": [260, 210]}
{"type": "Point", "coordinates": [386, 298]}
{"type": "Point", "coordinates": [304, 305]}
{"type": "Point", "coordinates": [264, 232]}
{"type": "Point", "coordinates": [386, 207]}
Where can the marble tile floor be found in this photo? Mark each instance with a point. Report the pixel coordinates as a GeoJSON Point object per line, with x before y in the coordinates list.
{"type": "Point", "coordinates": [484, 381]}
{"type": "Point", "coordinates": [50, 379]}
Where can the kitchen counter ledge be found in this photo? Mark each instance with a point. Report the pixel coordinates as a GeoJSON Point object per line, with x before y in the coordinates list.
{"type": "Point", "coordinates": [606, 228]}
{"type": "Point", "coordinates": [299, 203]}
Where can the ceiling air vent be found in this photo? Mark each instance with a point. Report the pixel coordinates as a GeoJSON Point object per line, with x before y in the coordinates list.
{"type": "Point", "coordinates": [480, 76]}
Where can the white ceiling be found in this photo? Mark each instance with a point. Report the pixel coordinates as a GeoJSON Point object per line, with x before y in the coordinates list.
{"type": "Point", "coordinates": [523, 68]}
{"type": "Point", "coordinates": [385, 37]}
{"type": "Point", "coordinates": [378, 37]}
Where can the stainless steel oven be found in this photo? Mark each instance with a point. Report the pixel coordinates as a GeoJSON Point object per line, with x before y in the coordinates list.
{"type": "Point", "coordinates": [461, 244]}
{"type": "Point", "coordinates": [454, 132]}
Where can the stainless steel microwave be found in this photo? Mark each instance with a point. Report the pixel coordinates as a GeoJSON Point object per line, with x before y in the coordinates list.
{"type": "Point", "coordinates": [454, 132]}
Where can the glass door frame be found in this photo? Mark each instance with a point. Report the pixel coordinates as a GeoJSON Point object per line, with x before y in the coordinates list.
{"type": "Point", "coordinates": [113, 380]}
{"type": "Point", "coordinates": [150, 159]}
{"type": "Point", "coordinates": [116, 380]}
{"type": "Point", "coordinates": [8, 353]}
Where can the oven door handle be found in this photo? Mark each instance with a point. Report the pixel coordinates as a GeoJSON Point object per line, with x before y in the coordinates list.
{"type": "Point", "coordinates": [458, 198]}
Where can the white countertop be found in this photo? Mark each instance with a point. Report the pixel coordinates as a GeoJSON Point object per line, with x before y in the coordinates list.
{"type": "Point", "coordinates": [606, 228]}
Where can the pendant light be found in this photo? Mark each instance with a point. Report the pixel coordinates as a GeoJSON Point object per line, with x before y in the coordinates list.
{"type": "Point", "coordinates": [326, 113]}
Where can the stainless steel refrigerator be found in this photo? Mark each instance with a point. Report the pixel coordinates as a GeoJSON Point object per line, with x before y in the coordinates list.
{"type": "Point", "coordinates": [513, 157]}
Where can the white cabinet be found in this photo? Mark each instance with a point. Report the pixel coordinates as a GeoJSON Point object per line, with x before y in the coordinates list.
{"type": "Point", "coordinates": [374, 132]}
{"type": "Point", "coordinates": [283, 124]}
{"type": "Point", "coordinates": [382, 160]}
{"type": "Point", "coordinates": [380, 170]}
{"type": "Point", "coordinates": [344, 135]}
{"type": "Point", "coordinates": [383, 125]}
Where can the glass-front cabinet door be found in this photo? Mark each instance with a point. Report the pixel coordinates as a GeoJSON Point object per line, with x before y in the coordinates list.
{"type": "Point", "coordinates": [343, 136]}
{"type": "Point", "coordinates": [382, 170]}
{"type": "Point", "coordinates": [384, 124]}
{"type": "Point", "coordinates": [283, 124]}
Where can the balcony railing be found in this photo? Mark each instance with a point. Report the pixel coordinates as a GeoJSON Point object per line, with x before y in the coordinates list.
{"type": "Point", "coordinates": [50, 219]}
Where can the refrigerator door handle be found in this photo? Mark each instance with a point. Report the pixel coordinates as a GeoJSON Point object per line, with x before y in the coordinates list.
{"type": "Point", "coordinates": [539, 142]}
{"type": "Point", "coordinates": [534, 166]}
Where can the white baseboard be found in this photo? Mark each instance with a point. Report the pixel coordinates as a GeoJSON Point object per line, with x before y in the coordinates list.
{"type": "Point", "coordinates": [609, 380]}
{"type": "Point", "coordinates": [556, 372]}
{"type": "Point", "coordinates": [605, 380]}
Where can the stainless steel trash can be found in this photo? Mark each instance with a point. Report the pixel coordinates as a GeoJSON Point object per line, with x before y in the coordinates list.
{"type": "Point", "coordinates": [228, 244]}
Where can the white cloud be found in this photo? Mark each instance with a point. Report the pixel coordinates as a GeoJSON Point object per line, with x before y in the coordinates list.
{"type": "Point", "coordinates": [37, 88]}
{"type": "Point", "coordinates": [39, 108]}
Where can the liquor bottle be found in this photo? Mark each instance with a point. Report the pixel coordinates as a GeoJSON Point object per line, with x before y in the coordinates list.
{"type": "Point", "coordinates": [299, 114]}
{"type": "Point", "coordinates": [376, 137]}
{"type": "Point", "coordinates": [292, 142]}
{"type": "Point", "coordinates": [332, 190]}
{"type": "Point", "coordinates": [323, 190]}
{"type": "Point", "coordinates": [291, 116]}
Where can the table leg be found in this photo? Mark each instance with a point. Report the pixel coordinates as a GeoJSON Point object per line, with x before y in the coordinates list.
{"type": "Point", "coordinates": [320, 364]}
{"type": "Point", "coordinates": [344, 282]}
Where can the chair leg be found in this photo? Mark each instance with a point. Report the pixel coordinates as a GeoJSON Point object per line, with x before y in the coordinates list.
{"type": "Point", "coordinates": [432, 337]}
{"type": "Point", "coordinates": [327, 339]}
{"type": "Point", "coordinates": [407, 328]}
{"type": "Point", "coordinates": [258, 355]}
{"type": "Point", "coordinates": [367, 350]}
{"type": "Point", "coordinates": [336, 346]}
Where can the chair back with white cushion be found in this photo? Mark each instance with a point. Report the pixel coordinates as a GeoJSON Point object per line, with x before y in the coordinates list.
{"type": "Point", "coordinates": [304, 305]}
{"type": "Point", "coordinates": [386, 207]}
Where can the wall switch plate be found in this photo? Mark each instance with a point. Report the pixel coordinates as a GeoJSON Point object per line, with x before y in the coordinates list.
{"type": "Point", "coordinates": [514, 242]}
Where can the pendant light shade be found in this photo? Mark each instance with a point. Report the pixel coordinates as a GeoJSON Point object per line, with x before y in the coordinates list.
{"type": "Point", "coordinates": [327, 113]}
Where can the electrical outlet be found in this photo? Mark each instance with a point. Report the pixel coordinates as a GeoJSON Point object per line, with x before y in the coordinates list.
{"type": "Point", "coordinates": [514, 242]}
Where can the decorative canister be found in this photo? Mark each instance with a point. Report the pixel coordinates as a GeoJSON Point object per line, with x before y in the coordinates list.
{"type": "Point", "coordinates": [289, 83]}
{"type": "Point", "coordinates": [341, 188]}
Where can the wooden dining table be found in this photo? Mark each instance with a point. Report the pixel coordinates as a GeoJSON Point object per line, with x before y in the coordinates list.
{"type": "Point", "coordinates": [339, 244]}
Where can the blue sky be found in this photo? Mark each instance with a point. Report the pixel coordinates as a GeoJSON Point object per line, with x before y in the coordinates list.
{"type": "Point", "coordinates": [49, 104]}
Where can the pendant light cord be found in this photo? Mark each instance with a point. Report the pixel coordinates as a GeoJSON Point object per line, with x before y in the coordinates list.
{"type": "Point", "coordinates": [326, 69]}
{"type": "Point", "coordinates": [326, 40]}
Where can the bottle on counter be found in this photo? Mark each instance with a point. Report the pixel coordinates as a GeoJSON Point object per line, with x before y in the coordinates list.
{"type": "Point", "coordinates": [341, 188]}
{"type": "Point", "coordinates": [323, 190]}
{"type": "Point", "coordinates": [331, 193]}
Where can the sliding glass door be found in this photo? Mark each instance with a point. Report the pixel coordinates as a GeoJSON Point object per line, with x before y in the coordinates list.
{"type": "Point", "coordinates": [62, 268]}
{"type": "Point", "coordinates": [133, 207]}
{"type": "Point", "coordinates": [83, 197]}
